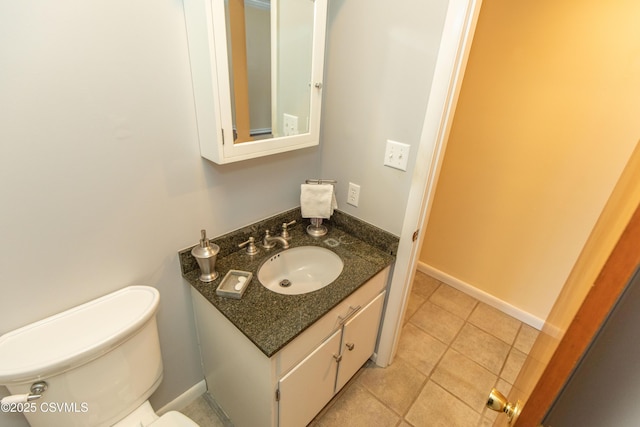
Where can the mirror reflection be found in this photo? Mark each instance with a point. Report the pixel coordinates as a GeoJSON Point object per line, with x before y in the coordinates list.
{"type": "Point", "coordinates": [269, 45]}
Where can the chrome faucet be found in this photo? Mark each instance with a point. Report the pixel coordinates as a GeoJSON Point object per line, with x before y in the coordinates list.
{"type": "Point", "coordinates": [285, 230]}
{"type": "Point", "coordinates": [270, 241]}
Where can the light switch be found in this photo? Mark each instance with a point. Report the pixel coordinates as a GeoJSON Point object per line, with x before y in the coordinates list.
{"type": "Point", "coordinates": [396, 155]}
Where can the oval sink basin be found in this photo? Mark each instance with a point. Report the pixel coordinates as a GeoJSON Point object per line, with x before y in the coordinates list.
{"type": "Point", "coordinates": [300, 270]}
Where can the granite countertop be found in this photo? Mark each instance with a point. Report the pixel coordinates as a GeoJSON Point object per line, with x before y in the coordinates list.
{"type": "Point", "coordinates": [271, 320]}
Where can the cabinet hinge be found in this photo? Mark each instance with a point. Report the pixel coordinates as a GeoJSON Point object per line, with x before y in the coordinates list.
{"type": "Point", "coordinates": [278, 395]}
{"type": "Point", "coordinates": [415, 235]}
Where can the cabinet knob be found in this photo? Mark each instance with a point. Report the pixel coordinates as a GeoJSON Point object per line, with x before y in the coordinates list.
{"type": "Point", "coordinates": [350, 346]}
{"type": "Point", "coordinates": [338, 357]}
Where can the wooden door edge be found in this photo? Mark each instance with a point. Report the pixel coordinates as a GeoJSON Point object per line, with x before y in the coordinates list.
{"type": "Point", "coordinates": [609, 285]}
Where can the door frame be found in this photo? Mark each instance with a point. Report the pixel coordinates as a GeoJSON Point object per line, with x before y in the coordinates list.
{"type": "Point", "coordinates": [457, 36]}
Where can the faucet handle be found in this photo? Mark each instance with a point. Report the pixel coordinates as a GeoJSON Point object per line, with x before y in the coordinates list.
{"type": "Point", "coordinates": [252, 249]}
{"type": "Point", "coordinates": [285, 231]}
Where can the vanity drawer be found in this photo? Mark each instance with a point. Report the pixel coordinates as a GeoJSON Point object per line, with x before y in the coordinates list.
{"type": "Point", "coordinates": [308, 340]}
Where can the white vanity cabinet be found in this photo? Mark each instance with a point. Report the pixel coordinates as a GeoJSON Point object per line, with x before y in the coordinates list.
{"type": "Point", "coordinates": [289, 388]}
{"type": "Point", "coordinates": [305, 390]}
{"type": "Point", "coordinates": [359, 340]}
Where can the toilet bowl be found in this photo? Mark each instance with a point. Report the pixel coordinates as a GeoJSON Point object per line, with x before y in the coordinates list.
{"type": "Point", "coordinates": [93, 365]}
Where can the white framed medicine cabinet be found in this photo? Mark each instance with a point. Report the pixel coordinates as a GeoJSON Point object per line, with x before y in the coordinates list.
{"type": "Point", "coordinates": [257, 69]}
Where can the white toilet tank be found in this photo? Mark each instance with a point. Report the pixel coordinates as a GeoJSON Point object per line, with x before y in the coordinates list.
{"type": "Point", "coordinates": [101, 360]}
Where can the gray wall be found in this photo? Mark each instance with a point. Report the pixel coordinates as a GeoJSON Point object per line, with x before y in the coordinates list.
{"type": "Point", "coordinates": [380, 62]}
{"type": "Point", "coordinates": [101, 178]}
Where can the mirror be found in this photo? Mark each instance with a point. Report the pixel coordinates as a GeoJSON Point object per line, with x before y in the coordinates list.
{"type": "Point", "coordinates": [264, 106]}
{"type": "Point", "coordinates": [257, 75]}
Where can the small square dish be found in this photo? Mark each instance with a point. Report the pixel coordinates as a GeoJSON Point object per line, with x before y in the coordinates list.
{"type": "Point", "coordinates": [234, 283]}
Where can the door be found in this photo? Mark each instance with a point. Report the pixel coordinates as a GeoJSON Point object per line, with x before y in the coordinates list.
{"type": "Point", "coordinates": [359, 340]}
{"type": "Point", "coordinates": [309, 386]}
{"type": "Point", "coordinates": [611, 282]}
{"type": "Point", "coordinates": [595, 284]}
{"type": "Point", "coordinates": [610, 364]}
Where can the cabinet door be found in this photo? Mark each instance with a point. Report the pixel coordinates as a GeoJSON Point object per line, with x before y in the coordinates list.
{"type": "Point", "coordinates": [309, 386]}
{"type": "Point", "coordinates": [359, 340]}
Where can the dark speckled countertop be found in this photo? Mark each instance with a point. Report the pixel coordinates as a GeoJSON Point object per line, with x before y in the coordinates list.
{"type": "Point", "coordinates": [271, 320]}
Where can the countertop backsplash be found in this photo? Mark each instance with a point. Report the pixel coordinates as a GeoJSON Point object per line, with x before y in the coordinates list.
{"type": "Point", "coordinates": [376, 237]}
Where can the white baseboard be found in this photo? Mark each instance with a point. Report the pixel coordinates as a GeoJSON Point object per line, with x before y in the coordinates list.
{"type": "Point", "coordinates": [486, 298]}
{"type": "Point", "coordinates": [184, 399]}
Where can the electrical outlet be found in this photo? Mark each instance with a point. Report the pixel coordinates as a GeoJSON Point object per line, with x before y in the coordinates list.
{"type": "Point", "coordinates": [290, 123]}
{"type": "Point", "coordinates": [396, 155]}
{"type": "Point", "coordinates": [353, 197]}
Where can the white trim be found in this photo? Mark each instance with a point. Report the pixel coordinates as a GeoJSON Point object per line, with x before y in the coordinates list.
{"type": "Point", "coordinates": [482, 296]}
{"type": "Point", "coordinates": [457, 34]}
{"type": "Point", "coordinates": [184, 399]}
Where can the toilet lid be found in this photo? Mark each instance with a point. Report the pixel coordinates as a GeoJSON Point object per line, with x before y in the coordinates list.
{"type": "Point", "coordinates": [74, 337]}
{"type": "Point", "coordinates": [173, 419]}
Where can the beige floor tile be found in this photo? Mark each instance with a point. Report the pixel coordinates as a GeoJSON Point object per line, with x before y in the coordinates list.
{"type": "Point", "coordinates": [358, 408]}
{"type": "Point", "coordinates": [513, 365]}
{"type": "Point", "coordinates": [503, 386]}
{"type": "Point", "coordinates": [481, 347]}
{"type": "Point", "coordinates": [437, 322]}
{"type": "Point", "coordinates": [502, 421]}
{"type": "Point", "coordinates": [424, 285]}
{"type": "Point", "coordinates": [419, 349]}
{"type": "Point", "coordinates": [465, 379]}
{"type": "Point", "coordinates": [525, 339]}
{"type": "Point", "coordinates": [414, 303]}
{"type": "Point", "coordinates": [397, 385]}
{"type": "Point", "coordinates": [495, 322]}
{"type": "Point", "coordinates": [453, 300]}
{"type": "Point", "coordinates": [485, 422]}
{"type": "Point", "coordinates": [434, 407]}
{"type": "Point", "coordinates": [491, 415]}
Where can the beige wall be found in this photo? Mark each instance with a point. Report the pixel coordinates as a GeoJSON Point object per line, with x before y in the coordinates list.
{"type": "Point", "coordinates": [546, 120]}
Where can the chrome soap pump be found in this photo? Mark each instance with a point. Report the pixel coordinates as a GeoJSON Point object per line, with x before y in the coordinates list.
{"type": "Point", "coordinates": [206, 254]}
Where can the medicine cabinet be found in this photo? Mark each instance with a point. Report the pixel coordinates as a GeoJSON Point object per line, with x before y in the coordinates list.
{"type": "Point", "coordinates": [257, 69]}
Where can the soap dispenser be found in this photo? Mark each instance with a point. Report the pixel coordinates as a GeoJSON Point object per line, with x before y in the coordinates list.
{"type": "Point", "coordinates": [206, 254]}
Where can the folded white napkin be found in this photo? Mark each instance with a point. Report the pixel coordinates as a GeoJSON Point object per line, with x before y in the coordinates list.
{"type": "Point", "coordinates": [317, 200]}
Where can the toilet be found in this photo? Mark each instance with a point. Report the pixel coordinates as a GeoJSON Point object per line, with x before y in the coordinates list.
{"type": "Point", "coordinates": [93, 365]}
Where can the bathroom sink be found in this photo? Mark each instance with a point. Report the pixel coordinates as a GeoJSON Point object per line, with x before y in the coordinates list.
{"type": "Point", "coordinates": [300, 270]}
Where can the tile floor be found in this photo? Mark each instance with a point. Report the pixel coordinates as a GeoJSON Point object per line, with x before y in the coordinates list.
{"type": "Point", "coordinates": [452, 350]}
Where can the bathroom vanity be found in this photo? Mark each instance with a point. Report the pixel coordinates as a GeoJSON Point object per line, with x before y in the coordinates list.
{"type": "Point", "coordinates": [276, 360]}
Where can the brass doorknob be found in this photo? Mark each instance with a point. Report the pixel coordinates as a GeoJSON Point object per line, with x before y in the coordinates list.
{"type": "Point", "coordinates": [498, 402]}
